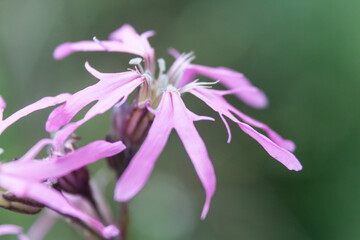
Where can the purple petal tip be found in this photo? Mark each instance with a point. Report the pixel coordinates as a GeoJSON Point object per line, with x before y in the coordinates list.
{"type": "Point", "coordinates": [205, 210]}
{"type": "Point", "coordinates": [297, 168]}
{"type": "Point", "coordinates": [2, 103]}
{"type": "Point", "coordinates": [256, 100]}
{"type": "Point", "coordinates": [110, 232]}
{"type": "Point", "coordinates": [62, 51]}
{"type": "Point", "coordinates": [289, 145]}
{"type": "Point", "coordinates": [121, 197]}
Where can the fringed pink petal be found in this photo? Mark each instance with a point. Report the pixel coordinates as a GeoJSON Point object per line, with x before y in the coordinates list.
{"type": "Point", "coordinates": [41, 104]}
{"type": "Point", "coordinates": [53, 199]}
{"type": "Point", "coordinates": [215, 99]}
{"type": "Point", "coordinates": [129, 37]}
{"type": "Point", "coordinates": [281, 154]}
{"type": "Point", "coordinates": [171, 113]}
{"type": "Point", "coordinates": [126, 33]}
{"type": "Point", "coordinates": [100, 107]}
{"type": "Point", "coordinates": [274, 136]}
{"type": "Point", "coordinates": [141, 165]}
{"type": "Point", "coordinates": [230, 79]}
{"type": "Point", "coordinates": [277, 147]}
{"type": "Point", "coordinates": [97, 92]}
{"type": "Point", "coordinates": [125, 40]}
{"type": "Point", "coordinates": [105, 76]}
{"type": "Point", "coordinates": [65, 49]}
{"type": "Point", "coordinates": [195, 148]}
{"type": "Point", "coordinates": [58, 166]}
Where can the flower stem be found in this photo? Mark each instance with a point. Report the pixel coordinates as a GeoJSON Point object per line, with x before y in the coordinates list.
{"type": "Point", "coordinates": [123, 220]}
{"type": "Point", "coordinates": [130, 125]}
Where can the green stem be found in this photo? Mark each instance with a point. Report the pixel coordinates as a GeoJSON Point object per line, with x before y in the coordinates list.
{"type": "Point", "coordinates": [123, 220]}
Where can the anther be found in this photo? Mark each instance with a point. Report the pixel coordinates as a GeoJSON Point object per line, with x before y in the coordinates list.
{"type": "Point", "coordinates": [137, 61]}
{"type": "Point", "coordinates": [162, 66]}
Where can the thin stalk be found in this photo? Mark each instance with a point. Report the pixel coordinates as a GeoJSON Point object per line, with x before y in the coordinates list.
{"type": "Point", "coordinates": [123, 220]}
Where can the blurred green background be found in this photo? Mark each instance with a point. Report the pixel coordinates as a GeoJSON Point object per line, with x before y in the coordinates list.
{"type": "Point", "coordinates": [304, 54]}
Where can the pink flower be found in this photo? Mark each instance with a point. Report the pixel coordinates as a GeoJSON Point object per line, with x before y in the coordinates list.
{"type": "Point", "coordinates": [172, 114]}
{"type": "Point", "coordinates": [25, 177]}
{"type": "Point", "coordinates": [162, 94]}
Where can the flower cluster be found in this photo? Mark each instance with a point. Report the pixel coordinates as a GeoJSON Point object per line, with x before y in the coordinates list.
{"type": "Point", "coordinates": [27, 183]}
{"type": "Point", "coordinates": [145, 128]}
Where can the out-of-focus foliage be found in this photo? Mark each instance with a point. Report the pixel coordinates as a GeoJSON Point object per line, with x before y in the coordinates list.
{"type": "Point", "coordinates": [304, 54]}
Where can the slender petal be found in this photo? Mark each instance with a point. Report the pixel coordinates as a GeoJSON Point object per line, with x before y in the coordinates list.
{"type": "Point", "coordinates": [171, 113]}
{"type": "Point", "coordinates": [105, 92]}
{"type": "Point", "coordinates": [9, 229]}
{"type": "Point", "coordinates": [125, 39]}
{"type": "Point", "coordinates": [59, 166]}
{"type": "Point", "coordinates": [195, 147]}
{"type": "Point", "coordinates": [281, 154]}
{"type": "Point", "coordinates": [228, 77]}
{"type": "Point", "coordinates": [276, 147]}
{"type": "Point", "coordinates": [142, 164]}
{"type": "Point", "coordinates": [215, 99]}
{"type": "Point", "coordinates": [24, 177]}
{"type": "Point", "coordinates": [99, 108]}
{"type": "Point", "coordinates": [65, 49]}
{"type": "Point", "coordinates": [53, 199]}
{"type": "Point", "coordinates": [41, 104]}
{"type": "Point", "coordinates": [274, 136]}
{"type": "Point", "coordinates": [104, 76]}
{"type": "Point", "coordinates": [128, 35]}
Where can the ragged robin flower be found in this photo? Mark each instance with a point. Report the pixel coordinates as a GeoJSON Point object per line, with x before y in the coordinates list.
{"type": "Point", "coordinates": [160, 93]}
{"type": "Point", "coordinates": [26, 183]}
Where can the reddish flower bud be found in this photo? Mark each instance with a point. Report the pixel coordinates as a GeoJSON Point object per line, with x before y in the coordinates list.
{"type": "Point", "coordinates": [76, 182]}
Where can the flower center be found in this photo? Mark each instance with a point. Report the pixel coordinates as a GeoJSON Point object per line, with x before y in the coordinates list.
{"type": "Point", "coordinates": [154, 87]}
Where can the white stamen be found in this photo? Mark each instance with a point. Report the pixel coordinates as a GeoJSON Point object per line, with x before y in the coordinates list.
{"type": "Point", "coordinates": [178, 68]}
{"type": "Point", "coordinates": [162, 79]}
{"type": "Point", "coordinates": [100, 43]}
{"type": "Point", "coordinates": [135, 61]}
{"type": "Point", "coordinates": [162, 66]}
{"type": "Point", "coordinates": [195, 84]}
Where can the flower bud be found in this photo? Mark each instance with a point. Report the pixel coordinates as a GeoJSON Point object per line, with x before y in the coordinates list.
{"type": "Point", "coordinates": [138, 124]}
{"type": "Point", "coordinates": [130, 125]}
{"type": "Point", "coordinates": [22, 205]}
{"type": "Point", "coordinates": [120, 161]}
{"type": "Point", "coordinates": [76, 182]}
